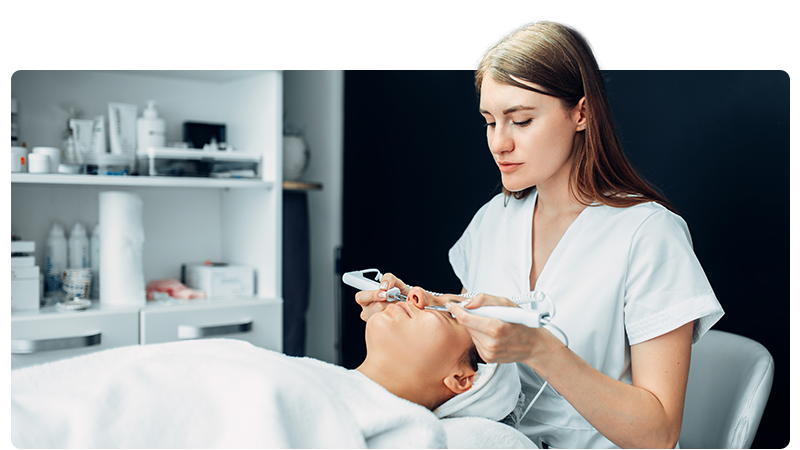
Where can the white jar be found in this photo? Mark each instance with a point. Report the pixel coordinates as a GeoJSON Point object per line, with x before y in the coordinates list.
{"type": "Point", "coordinates": [38, 163]}
{"type": "Point", "coordinates": [55, 156]}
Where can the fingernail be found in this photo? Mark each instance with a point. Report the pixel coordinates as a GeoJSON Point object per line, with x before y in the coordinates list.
{"type": "Point", "coordinates": [466, 302]}
{"type": "Point", "coordinates": [384, 285]}
{"type": "Point", "coordinates": [382, 294]}
{"type": "Point", "coordinates": [448, 305]}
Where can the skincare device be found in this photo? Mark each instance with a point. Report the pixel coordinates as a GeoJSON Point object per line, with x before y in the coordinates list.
{"type": "Point", "coordinates": [533, 318]}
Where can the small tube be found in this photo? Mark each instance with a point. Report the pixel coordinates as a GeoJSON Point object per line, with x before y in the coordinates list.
{"type": "Point", "coordinates": [99, 135]}
{"type": "Point", "coordinates": [122, 128]}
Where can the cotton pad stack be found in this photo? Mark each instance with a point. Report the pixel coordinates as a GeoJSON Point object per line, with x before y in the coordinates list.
{"type": "Point", "coordinates": [122, 239]}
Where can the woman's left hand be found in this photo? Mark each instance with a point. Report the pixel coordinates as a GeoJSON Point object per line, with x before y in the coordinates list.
{"type": "Point", "coordinates": [497, 341]}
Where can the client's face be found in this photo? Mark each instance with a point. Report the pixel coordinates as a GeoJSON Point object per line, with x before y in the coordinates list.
{"type": "Point", "coordinates": [431, 340]}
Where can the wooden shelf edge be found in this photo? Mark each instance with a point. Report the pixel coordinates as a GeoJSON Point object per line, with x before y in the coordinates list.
{"type": "Point", "coordinates": [301, 186]}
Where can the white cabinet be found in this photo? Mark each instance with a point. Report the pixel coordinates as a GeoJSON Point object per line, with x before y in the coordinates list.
{"type": "Point", "coordinates": [248, 320]}
{"type": "Point", "coordinates": [185, 219]}
{"type": "Point", "coordinates": [48, 335]}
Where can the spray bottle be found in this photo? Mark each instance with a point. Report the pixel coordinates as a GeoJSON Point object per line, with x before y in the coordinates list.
{"type": "Point", "coordinates": [78, 247]}
{"type": "Point", "coordinates": [94, 249]}
{"type": "Point", "coordinates": [55, 259]}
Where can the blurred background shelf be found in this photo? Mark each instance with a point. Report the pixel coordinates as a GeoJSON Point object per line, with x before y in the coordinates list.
{"type": "Point", "coordinates": [142, 181]}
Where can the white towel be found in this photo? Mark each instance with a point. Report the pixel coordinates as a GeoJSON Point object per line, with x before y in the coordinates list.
{"type": "Point", "coordinates": [209, 394]}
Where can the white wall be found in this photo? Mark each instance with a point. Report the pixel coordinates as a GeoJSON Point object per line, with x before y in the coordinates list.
{"type": "Point", "coordinates": [314, 102]}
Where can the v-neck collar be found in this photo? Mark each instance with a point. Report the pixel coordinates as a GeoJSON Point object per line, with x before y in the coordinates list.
{"type": "Point", "coordinates": [557, 251]}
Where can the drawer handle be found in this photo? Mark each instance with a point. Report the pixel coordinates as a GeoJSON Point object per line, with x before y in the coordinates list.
{"type": "Point", "coordinates": [194, 332]}
{"type": "Point", "coordinates": [28, 346]}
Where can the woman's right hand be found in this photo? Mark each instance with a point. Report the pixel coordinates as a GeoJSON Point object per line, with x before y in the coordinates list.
{"type": "Point", "coordinates": [375, 301]}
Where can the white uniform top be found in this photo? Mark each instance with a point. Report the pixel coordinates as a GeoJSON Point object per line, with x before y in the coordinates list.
{"type": "Point", "coordinates": [618, 277]}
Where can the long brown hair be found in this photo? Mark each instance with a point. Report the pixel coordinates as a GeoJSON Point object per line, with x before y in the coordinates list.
{"type": "Point", "coordinates": [559, 60]}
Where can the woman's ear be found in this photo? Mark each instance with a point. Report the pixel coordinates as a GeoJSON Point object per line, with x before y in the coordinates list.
{"type": "Point", "coordinates": [459, 382]}
{"type": "Point", "coordinates": [579, 112]}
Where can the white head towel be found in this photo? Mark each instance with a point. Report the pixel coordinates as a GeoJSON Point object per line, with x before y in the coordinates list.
{"type": "Point", "coordinates": [493, 395]}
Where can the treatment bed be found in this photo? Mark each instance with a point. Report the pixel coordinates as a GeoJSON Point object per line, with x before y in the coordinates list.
{"type": "Point", "coordinates": [217, 393]}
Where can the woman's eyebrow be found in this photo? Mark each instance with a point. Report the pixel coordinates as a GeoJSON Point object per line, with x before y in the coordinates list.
{"type": "Point", "coordinates": [518, 108]}
{"type": "Point", "coordinates": [510, 110]}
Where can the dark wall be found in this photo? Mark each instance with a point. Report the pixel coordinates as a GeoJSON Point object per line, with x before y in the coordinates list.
{"type": "Point", "coordinates": [716, 143]}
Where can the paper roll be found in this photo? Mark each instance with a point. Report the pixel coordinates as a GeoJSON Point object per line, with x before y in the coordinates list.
{"type": "Point", "coordinates": [121, 243]}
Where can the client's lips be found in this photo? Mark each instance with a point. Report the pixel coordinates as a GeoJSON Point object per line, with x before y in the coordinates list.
{"type": "Point", "coordinates": [404, 307]}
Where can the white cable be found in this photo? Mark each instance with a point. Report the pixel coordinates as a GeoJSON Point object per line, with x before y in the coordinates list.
{"type": "Point", "coordinates": [532, 402]}
{"type": "Point", "coordinates": [547, 324]}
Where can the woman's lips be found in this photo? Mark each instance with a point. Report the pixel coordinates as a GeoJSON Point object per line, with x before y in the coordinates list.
{"type": "Point", "coordinates": [403, 306]}
{"type": "Point", "coordinates": [507, 167]}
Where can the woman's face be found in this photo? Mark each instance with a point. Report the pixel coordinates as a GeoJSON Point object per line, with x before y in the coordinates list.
{"type": "Point", "coordinates": [530, 135]}
{"type": "Point", "coordinates": [432, 341]}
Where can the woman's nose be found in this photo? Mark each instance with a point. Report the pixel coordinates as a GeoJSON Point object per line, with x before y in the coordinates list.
{"type": "Point", "coordinates": [500, 141]}
{"type": "Point", "coordinates": [416, 297]}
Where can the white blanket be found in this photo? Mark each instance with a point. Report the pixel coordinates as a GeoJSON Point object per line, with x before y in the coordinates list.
{"type": "Point", "coordinates": [215, 393]}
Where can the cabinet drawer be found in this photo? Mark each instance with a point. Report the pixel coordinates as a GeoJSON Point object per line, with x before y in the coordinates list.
{"type": "Point", "coordinates": [49, 336]}
{"type": "Point", "coordinates": [259, 322]}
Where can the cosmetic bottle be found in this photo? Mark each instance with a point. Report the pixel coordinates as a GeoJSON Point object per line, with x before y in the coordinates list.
{"type": "Point", "coordinates": [151, 130]}
{"type": "Point", "coordinates": [55, 259]}
{"type": "Point", "coordinates": [78, 247]}
{"type": "Point", "coordinates": [94, 261]}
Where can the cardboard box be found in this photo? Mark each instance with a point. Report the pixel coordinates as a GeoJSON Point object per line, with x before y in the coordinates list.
{"type": "Point", "coordinates": [220, 280]}
{"type": "Point", "coordinates": [24, 288]}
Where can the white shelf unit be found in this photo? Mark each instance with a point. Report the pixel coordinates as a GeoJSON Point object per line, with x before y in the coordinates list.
{"type": "Point", "coordinates": [185, 219]}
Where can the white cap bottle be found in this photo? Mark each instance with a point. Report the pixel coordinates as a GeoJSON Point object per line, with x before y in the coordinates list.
{"type": "Point", "coordinates": [94, 261]}
{"type": "Point", "coordinates": [55, 259]}
{"type": "Point", "coordinates": [78, 247]}
{"type": "Point", "coordinates": [150, 129]}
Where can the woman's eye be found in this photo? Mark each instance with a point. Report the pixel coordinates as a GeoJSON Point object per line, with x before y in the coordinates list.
{"type": "Point", "coordinates": [488, 125]}
{"type": "Point", "coordinates": [524, 123]}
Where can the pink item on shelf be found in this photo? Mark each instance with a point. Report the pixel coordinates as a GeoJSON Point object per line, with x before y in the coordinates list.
{"type": "Point", "coordinates": [173, 288]}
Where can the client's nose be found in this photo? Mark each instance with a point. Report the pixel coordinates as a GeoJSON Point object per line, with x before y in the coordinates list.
{"type": "Point", "coordinates": [416, 297]}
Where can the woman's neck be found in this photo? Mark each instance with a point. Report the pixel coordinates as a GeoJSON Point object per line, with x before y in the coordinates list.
{"type": "Point", "coordinates": [402, 382]}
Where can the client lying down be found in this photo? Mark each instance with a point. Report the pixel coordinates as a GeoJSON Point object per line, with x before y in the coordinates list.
{"type": "Point", "coordinates": [421, 366]}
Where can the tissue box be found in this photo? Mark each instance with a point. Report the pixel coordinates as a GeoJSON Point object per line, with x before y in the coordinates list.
{"type": "Point", "coordinates": [24, 288]}
{"type": "Point", "coordinates": [220, 280]}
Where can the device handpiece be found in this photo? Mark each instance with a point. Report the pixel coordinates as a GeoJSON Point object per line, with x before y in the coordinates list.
{"type": "Point", "coordinates": [358, 280]}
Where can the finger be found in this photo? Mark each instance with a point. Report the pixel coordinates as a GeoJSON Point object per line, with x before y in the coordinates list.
{"type": "Point", "coordinates": [365, 298]}
{"type": "Point", "coordinates": [448, 298]}
{"type": "Point", "coordinates": [484, 325]}
{"type": "Point", "coordinates": [487, 300]}
{"type": "Point", "coordinates": [388, 281]}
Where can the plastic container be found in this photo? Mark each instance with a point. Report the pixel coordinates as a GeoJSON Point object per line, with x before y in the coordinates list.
{"type": "Point", "coordinates": [38, 163]}
{"type": "Point", "coordinates": [173, 162]}
{"type": "Point", "coordinates": [108, 164]}
{"type": "Point", "coordinates": [54, 153]}
{"type": "Point", "coordinates": [19, 159]}
{"type": "Point", "coordinates": [150, 129]}
{"type": "Point", "coordinates": [78, 248]}
{"type": "Point", "coordinates": [55, 260]}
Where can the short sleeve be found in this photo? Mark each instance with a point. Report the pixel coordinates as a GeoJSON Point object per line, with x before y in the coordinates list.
{"type": "Point", "coordinates": [463, 247]}
{"type": "Point", "coordinates": [665, 286]}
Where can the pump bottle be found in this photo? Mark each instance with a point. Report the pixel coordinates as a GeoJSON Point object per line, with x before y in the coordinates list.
{"type": "Point", "coordinates": [151, 130]}
{"type": "Point", "coordinates": [55, 259]}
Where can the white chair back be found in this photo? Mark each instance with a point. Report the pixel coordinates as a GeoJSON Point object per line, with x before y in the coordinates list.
{"type": "Point", "coordinates": [730, 378]}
